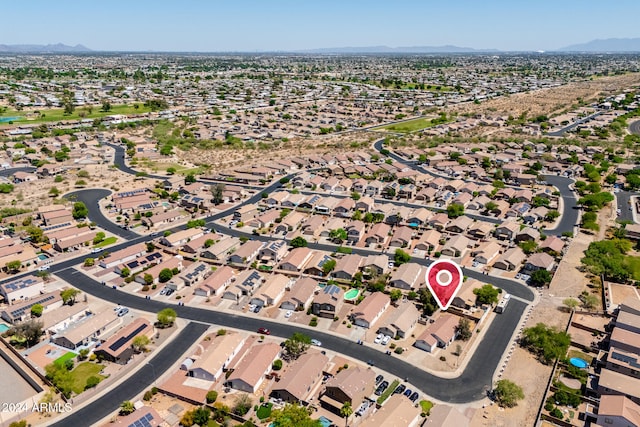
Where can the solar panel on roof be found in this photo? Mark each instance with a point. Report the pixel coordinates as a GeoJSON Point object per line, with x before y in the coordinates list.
{"type": "Point", "coordinates": [144, 421]}
{"type": "Point", "coordinates": [125, 339]}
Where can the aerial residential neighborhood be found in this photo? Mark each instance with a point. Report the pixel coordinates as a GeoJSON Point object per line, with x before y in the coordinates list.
{"type": "Point", "coordinates": [252, 238]}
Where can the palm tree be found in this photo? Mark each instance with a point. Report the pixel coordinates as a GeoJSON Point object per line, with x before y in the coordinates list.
{"type": "Point", "coordinates": [346, 412]}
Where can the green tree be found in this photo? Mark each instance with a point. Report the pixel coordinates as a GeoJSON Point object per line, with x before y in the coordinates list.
{"type": "Point", "coordinates": [486, 294]}
{"type": "Point", "coordinates": [401, 257]}
{"type": "Point", "coordinates": [297, 344]}
{"type": "Point", "coordinates": [36, 234]}
{"type": "Point", "coordinates": [395, 295]}
{"type": "Point", "coordinates": [293, 415]}
{"type": "Point", "coordinates": [528, 246]}
{"type": "Point", "coordinates": [355, 195]}
{"type": "Point", "coordinates": [92, 381]}
{"type": "Point", "coordinates": [338, 235]}
{"type": "Point", "coordinates": [508, 393]}
{"type": "Point", "coordinates": [99, 237]}
{"type": "Point", "coordinates": [201, 416]}
{"type": "Point", "coordinates": [490, 206]}
{"type": "Point", "coordinates": [79, 210]}
{"type": "Point", "coordinates": [140, 343]}
{"type": "Point", "coordinates": [276, 365]}
{"type": "Point", "coordinates": [571, 303]}
{"type": "Point", "coordinates": [345, 411]}
{"type": "Point", "coordinates": [106, 106]}
{"type": "Point", "coordinates": [552, 215]}
{"type": "Point", "coordinates": [13, 266]}
{"type": "Point", "coordinates": [547, 343]}
{"type": "Point", "coordinates": [242, 404]}
{"type": "Point", "coordinates": [54, 192]}
{"type": "Point", "coordinates": [589, 301]}
{"type": "Point", "coordinates": [328, 266]}
{"type": "Point", "coordinates": [212, 396]}
{"type": "Point", "coordinates": [36, 310]}
{"type": "Point", "coordinates": [69, 295]}
{"type": "Point", "coordinates": [299, 242]}
{"type": "Point", "coordinates": [454, 210]}
{"type": "Point", "coordinates": [217, 191]}
{"type": "Point", "coordinates": [166, 317]}
{"type": "Point", "coordinates": [165, 275]}
{"type": "Point", "coordinates": [463, 329]}
{"type": "Point", "coordinates": [125, 272]}
{"type": "Point", "coordinates": [89, 262]}
{"type": "Point", "coordinates": [190, 178]}
{"type": "Point", "coordinates": [126, 407]}
{"type": "Point", "coordinates": [171, 170]}
{"type": "Point", "coordinates": [540, 278]}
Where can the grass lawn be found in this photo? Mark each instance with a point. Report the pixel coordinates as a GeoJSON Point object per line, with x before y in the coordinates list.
{"type": "Point", "coordinates": [634, 263]}
{"type": "Point", "coordinates": [82, 372]}
{"type": "Point", "coordinates": [426, 406]}
{"type": "Point", "coordinates": [60, 360]}
{"type": "Point", "coordinates": [108, 241]}
{"type": "Point", "coordinates": [408, 126]}
{"type": "Point", "coordinates": [162, 166]}
{"type": "Point", "coordinates": [264, 411]}
{"type": "Point", "coordinates": [388, 391]}
{"type": "Point", "coordinates": [57, 114]}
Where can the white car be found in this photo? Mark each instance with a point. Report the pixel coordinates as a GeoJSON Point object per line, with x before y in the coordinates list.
{"type": "Point", "coordinates": [385, 340]}
{"type": "Point", "coordinates": [316, 342]}
{"type": "Point", "coordinates": [43, 267]}
{"type": "Point", "coordinates": [288, 314]}
{"type": "Point", "coordinates": [378, 339]}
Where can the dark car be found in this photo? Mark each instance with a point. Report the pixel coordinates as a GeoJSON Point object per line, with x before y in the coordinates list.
{"type": "Point", "coordinates": [264, 331]}
{"type": "Point", "coordinates": [414, 396]}
{"type": "Point", "coordinates": [379, 379]}
{"type": "Point", "coordinates": [408, 392]}
{"type": "Point", "coordinates": [400, 389]}
{"type": "Point", "coordinates": [382, 387]}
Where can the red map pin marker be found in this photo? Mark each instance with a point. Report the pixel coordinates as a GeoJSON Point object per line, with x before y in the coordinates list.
{"type": "Point", "coordinates": [444, 278]}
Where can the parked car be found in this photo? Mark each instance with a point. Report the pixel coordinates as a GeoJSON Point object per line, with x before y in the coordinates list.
{"type": "Point", "coordinates": [385, 340]}
{"type": "Point", "coordinates": [400, 389]}
{"type": "Point", "coordinates": [363, 407]}
{"type": "Point", "coordinates": [382, 387]}
{"type": "Point", "coordinates": [122, 312]}
{"type": "Point", "coordinates": [288, 314]}
{"type": "Point", "coordinates": [43, 267]}
{"type": "Point", "coordinates": [379, 379]}
{"type": "Point", "coordinates": [163, 291]}
{"type": "Point", "coordinates": [414, 396]}
{"type": "Point", "coordinates": [378, 339]}
{"type": "Point", "coordinates": [316, 342]}
{"type": "Point", "coordinates": [264, 331]}
{"type": "Point", "coordinates": [408, 392]}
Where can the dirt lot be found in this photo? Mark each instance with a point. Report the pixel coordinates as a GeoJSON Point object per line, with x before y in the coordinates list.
{"type": "Point", "coordinates": [550, 101]}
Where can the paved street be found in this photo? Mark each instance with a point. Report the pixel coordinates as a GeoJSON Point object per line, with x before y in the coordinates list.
{"type": "Point", "coordinates": [136, 383]}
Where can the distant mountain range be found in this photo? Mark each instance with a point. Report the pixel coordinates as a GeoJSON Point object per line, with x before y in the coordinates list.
{"type": "Point", "coordinates": [39, 48]}
{"type": "Point", "coordinates": [405, 49]}
{"type": "Point", "coordinates": [605, 45]}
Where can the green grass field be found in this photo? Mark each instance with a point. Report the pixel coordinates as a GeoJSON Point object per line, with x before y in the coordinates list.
{"type": "Point", "coordinates": [82, 372]}
{"type": "Point", "coordinates": [408, 126]}
{"type": "Point", "coordinates": [264, 411]}
{"type": "Point", "coordinates": [108, 241]}
{"type": "Point", "coordinates": [60, 360]}
{"type": "Point", "coordinates": [634, 263]}
{"type": "Point", "coordinates": [57, 114]}
{"type": "Point", "coordinates": [388, 391]}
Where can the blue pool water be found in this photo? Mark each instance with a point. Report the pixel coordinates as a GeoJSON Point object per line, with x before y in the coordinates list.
{"type": "Point", "coordinates": [42, 257]}
{"type": "Point", "coordinates": [8, 119]}
{"type": "Point", "coordinates": [578, 363]}
{"type": "Point", "coordinates": [3, 328]}
{"type": "Point", "coordinates": [326, 422]}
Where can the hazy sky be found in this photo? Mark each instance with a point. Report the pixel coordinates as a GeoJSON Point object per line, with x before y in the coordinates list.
{"type": "Point", "coordinates": [253, 25]}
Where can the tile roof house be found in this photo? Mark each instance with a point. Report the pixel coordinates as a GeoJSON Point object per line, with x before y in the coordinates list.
{"type": "Point", "coordinates": [511, 259]}
{"type": "Point", "coordinates": [328, 302]}
{"type": "Point", "coordinates": [246, 253]}
{"type": "Point", "coordinates": [441, 333]}
{"type": "Point", "coordinates": [210, 365]}
{"type": "Point", "coordinates": [398, 411]}
{"type": "Point", "coordinates": [349, 385]}
{"type": "Point", "coordinates": [370, 309]}
{"type": "Point", "coordinates": [401, 321]}
{"type": "Point", "coordinates": [249, 373]}
{"type": "Point", "coordinates": [456, 246]}
{"type": "Point", "coordinates": [118, 348]}
{"type": "Point", "coordinates": [347, 266]}
{"type": "Point", "coordinates": [301, 378]}
{"type": "Point", "coordinates": [216, 283]}
{"type": "Point", "coordinates": [300, 295]}
{"type": "Point", "coordinates": [618, 411]}
{"type": "Point", "coordinates": [539, 261]}
{"type": "Point", "coordinates": [407, 276]}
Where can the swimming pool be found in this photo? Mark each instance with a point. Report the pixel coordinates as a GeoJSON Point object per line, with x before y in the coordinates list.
{"type": "Point", "coordinates": [578, 363]}
{"type": "Point", "coordinates": [42, 257]}
{"type": "Point", "coordinates": [9, 119]}
{"type": "Point", "coordinates": [3, 328]}
{"type": "Point", "coordinates": [351, 294]}
{"type": "Point", "coordinates": [326, 422]}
